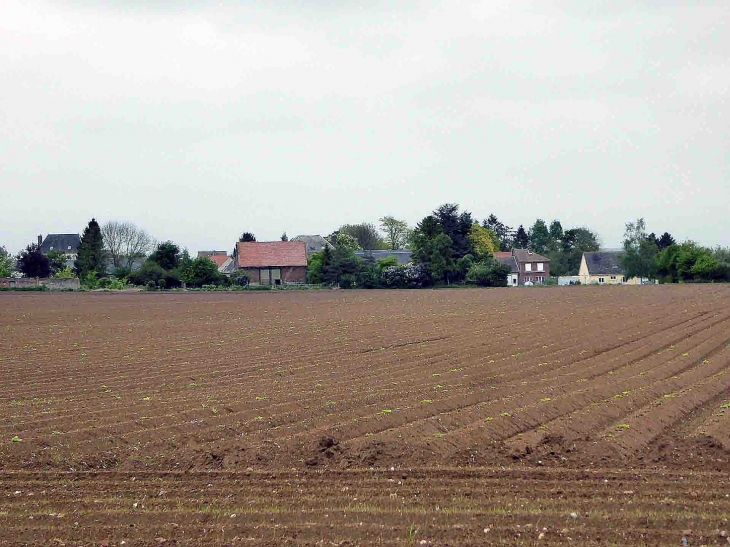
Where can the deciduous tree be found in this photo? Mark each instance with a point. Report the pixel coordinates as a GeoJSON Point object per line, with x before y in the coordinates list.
{"type": "Point", "coordinates": [6, 262]}
{"type": "Point", "coordinates": [366, 234]}
{"type": "Point", "coordinates": [125, 242]}
{"type": "Point", "coordinates": [483, 241]}
{"type": "Point", "coordinates": [396, 232]}
{"type": "Point", "coordinates": [639, 253]}
{"type": "Point", "coordinates": [539, 237]}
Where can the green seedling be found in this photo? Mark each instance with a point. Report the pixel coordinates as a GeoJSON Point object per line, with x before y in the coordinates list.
{"type": "Point", "coordinates": [623, 426]}
{"type": "Point", "coordinates": [16, 439]}
{"type": "Point", "coordinates": [386, 411]}
{"type": "Point", "coordinates": [426, 401]}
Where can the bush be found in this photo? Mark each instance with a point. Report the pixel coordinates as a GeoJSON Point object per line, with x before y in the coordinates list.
{"type": "Point", "coordinates": [65, 273]}
{"type": "Point", "coordinates": [347, 281]}
{"type": "Point", "coordinates": [121, 273]}
{"type": "Point", "coordinates": [151, 271]}
{"type": "Point", "coordinates": [203, 271]}
{"type": "Point", "coordinates": [151, 286]}
{"type": "Point", "coordinates": [161, 284]}
{"type": "Point", "coordinates": [488, 273]}
{"type": "Point", "coordinates": [403, 277]}
{"type": "Point", "coordinates": [241, 280]}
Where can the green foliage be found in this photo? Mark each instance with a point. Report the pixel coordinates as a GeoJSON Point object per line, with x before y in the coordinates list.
{"type": "Point", "coordinates": [57, 261]}
{"type": "Point", "coordinates": [315, 265]}
{"type": "Point", "coordinates": [122, 272]}
{"type": "Point", "coordinates": [202, 271]}
{"type": "Point", "coordinates": [638, 258]}
{"type": "Point", "coordinates": [366, 234]}
{"type": "Point", "coordinates": [344, 241]}
{"type": "Point", "coordinates": [488, 273]}
{"type": "Point", "coordinates": [241, 280]}
{"type": "Point", "coordinates": [457, 227]}
{"type": "Point", "coordinates": [691, 262]}
{"type": "Point", "coordinates": [151, 285]}
{"type": "Point", "coordinates": [33, 263]}
{"type": "Point", "coordinates": [539, 237]}
{"type": "Point", "coordinates": [522, 240]}
{"type": "Point", "coordinates": [502, 231]}
{"type": "Point", "coordinates": [90, 280]}
{"type": "Point", "coordinates": [556, 231]}
{"type": "Point", "coordinates": [111, 283]}
{"type": "Point", "coordinates": [284, 237]}
{"type": "Point", "coordinates": [6, 262]}
{"type": "Point", "coordinates": [247, 237]}
{"type": "Point", "coordinates": [483, 241]}
{"type": "Point", "coordinates": [65, 273]}
{"type": "Point", "coordinates": [151, 271]}
{"type": "Point", "coordinates": [386, 262]}
{"type": "Point", "coordinates": [396, 232]}
{"type": "Point", "coordinates": [166, 255]}
{"type": "Point", "coordinates": [161, 284]}
{"type": "Point", "coordinates": [91, 257]}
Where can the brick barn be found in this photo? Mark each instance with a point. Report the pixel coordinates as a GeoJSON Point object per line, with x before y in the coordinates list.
{"type": "Point", "coordinates": [272, 262]}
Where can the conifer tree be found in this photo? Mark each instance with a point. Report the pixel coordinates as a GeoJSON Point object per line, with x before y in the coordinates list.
{"type": "Point", "coordinates": [91, 252]}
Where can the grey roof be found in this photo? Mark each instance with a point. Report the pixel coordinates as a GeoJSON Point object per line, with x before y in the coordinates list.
{"type": "Point", "coordinates": [604, 263]}
{"type": "Point", "coordinates": [68, 243]}
{"type": "Point", "coordinates": [509, 261]}
{"type": "Point", "coordinates": [402, 255]}
{"type": "Point", "coordinates": [315, 243]}
{"type": "Point", "coordinates": [523, 255]}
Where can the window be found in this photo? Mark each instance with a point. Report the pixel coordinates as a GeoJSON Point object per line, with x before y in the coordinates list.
{"type": "Point", "coordinates": [539, 279]}
{"type": "Point", "coordinates": [527, 279]}
{"type": "Point", "coordinates": [613, 277]}
{"type": "Point", "coordinates": [601, 279]}
{"type": "Point", "coordinates": [623, 280]}
{"type": "Point", "coordinates": [540, 267]}
{"type": "Point", "coordinates": [528, 267]}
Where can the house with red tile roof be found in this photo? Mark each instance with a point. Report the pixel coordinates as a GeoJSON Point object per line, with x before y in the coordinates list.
{"type": "Point", "coordinates": [272, 262]}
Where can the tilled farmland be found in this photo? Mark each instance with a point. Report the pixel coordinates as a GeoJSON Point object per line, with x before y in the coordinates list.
{"type": "Point", "coordinates": [574, 415]}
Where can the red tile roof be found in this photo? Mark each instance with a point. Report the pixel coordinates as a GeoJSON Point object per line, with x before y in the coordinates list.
{"type": "Point", "coordinates": [271, 253]}
{"type": "Point", "coordinates": [502, 254]}
{"type": "Point", "coordinates": [218, 259]}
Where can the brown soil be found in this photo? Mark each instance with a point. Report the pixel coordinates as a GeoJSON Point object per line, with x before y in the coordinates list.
{"type": "Point", "coordinates": [411, 417]}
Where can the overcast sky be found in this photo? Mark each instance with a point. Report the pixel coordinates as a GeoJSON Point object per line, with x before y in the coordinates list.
{"type": "Point", "coordinates": [200, 120]}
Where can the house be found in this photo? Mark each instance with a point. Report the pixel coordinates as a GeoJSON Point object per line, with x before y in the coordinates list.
{"type": "Point", "coordinates": [604, 268]}
{"type": "Point", "coordinates": [315, 243]}
{"type": "Point", "coordinates": [272, 262]}
{"type": "Point", "coordinates": [68, 243]}
{"type": "Point", "coordinates": [507, 259]}
{"type": "Point", "coordinates": [403, 256]}
{"type": "Point", "coordinates": [525, 266]}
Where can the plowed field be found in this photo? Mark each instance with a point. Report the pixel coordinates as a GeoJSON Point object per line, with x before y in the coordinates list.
{"type": "Point", "coordinates": [581, 415]}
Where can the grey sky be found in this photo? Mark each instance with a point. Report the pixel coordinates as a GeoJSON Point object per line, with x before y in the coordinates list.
{"type": "Point", "coordinates": [200, 120]}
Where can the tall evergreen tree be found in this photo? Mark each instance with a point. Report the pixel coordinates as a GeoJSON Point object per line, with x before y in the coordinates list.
{"type": "Point", "coordinates": [539, 237]}
{"type": "Point", "coordinates": [666, 240]}
{"type": "Point", "coordinates": [504, 232]}
{"type": "Point", "coordinates": [522, 240]}
{"type": "Point", "coordinates": [90, 257]}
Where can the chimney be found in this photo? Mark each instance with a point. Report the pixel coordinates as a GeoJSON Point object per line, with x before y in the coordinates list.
{"type": "Point", "coordinates": [40, 239]}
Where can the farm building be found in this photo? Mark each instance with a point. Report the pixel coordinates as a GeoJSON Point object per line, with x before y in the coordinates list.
{"type": "Point", "coordinates": [603, 268]}
{"type": "Point", "coordinates": [272, 262]}
{"type": "Point", "coordinates": [507, 259]}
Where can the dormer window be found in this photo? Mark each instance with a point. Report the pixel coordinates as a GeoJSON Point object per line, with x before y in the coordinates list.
{"type": "Point", "coordinates": [69, 247]}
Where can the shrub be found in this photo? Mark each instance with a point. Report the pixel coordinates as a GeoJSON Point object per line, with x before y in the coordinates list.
{"type": "Point", "coordinates": [161, 284]}
{"type": "Point", "coordinates": [65, 273]}
{"type": "Point", "coordinates": [488, 273]}
{"type": "Point", "coordinates": [241, 280]}
{"type": "Point", "coordinates": [151, 286]}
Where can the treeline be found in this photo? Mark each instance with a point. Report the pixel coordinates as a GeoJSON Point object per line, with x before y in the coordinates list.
{"type": "Point", "coordinates": [651, 257]}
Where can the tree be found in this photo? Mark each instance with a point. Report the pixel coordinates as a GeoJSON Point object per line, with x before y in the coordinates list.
{"type": "Point", "coordinates": [57, 260]}
{"type": "Point", "coordinates": [366, 235]}
{"type": "Point", "coordinates": [247, 236]}
{"type": "Point", "coordinates": [345, 241]}
{"type": "Point", "coordinates": [125, 242]}
{"type": "Point", "coordinates": [665, 241]}
{"type": "Point", "coordinates": [90, 258]}
{"type": "Point", "coordinates": [638, 258]}
{"type": "Point", "coordinates": [503, 232]}
{"type": "Point", "coordinates": [396, 232]}
{"type": "Point", "coordinates": [522, 240]}
{"type": "Point", "coordinates": [576, 241]}
{"type": "Point", "coordinates": [539, 237]}
{"type": "Point", "coordinates": [488, 273]}
{"type": "Point", "coordinates": [556, 231]}
{"type": "Point", "coordinates": [166, 255]}
{"type": "Point", "coordinates": [6, 262]}
{"type": "Point", "coordinates": [202, 271]}
{"type": "Point", "coordinates": [456, 226]}
{"type": "Point", "coordinates": [284, 237]}
{"type": "Point", "coordinates": [33, 263]}
{"type": "Point", "coordinates": [483, 241]}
